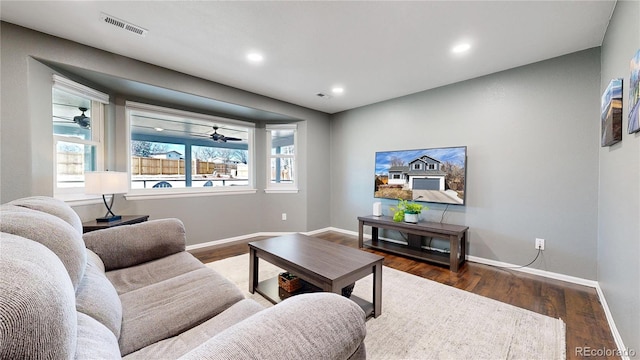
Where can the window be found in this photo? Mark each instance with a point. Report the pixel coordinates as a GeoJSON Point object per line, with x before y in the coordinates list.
{"type": "Point", "coordinates": [156, 162]}
{"type": "Point", "coordinates": [281, 162]}
{"type": "Point", "coordinates": [417, 166]}
{"type": "Point", "coordinates": [178, 152]}
{"type": "Point", "coordinates": [78, 113]}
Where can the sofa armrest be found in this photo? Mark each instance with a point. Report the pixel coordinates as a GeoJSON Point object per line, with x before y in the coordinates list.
{"type": "Point", "coordinates": [129, 245]}
{"type": "Point", "coordinates": [307, 326]}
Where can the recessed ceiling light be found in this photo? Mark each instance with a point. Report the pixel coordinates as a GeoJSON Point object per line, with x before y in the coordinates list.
{"type": "Point", "coordinates": [159, 129]}
{"type": "Point", "coordinates": [255, 57]}
{"type": "Point", "coordinates": [337, 90]}
{"type": "Point", "coordinates": [460, 48]}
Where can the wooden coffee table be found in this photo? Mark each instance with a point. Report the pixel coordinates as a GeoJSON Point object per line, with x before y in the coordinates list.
{"type": "Point", "coordinates": [326, 265]}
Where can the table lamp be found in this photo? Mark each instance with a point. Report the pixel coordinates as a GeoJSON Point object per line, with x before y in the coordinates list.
{"type": "Point", "coordinates": [104, 183]}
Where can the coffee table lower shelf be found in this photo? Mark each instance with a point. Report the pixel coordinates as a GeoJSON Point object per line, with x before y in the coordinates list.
{"type": "Point", "coordinates": [270, 290]}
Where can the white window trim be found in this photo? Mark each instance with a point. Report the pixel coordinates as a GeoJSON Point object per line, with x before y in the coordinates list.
{"type": "Point", "coordinates": [132, 108]}
{"type": "Point", "coordinates": [76, 195]}
{"type": "Point", "coordinates": [184, 193]}
{"type": "Point", "coordinates": [73, 87]}
{"type": "Point", "coordinates": [75, 192]}
{"type": "Point", "coordinates": [273, 188]}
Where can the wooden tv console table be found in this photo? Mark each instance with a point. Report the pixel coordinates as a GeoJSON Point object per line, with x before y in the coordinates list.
{"type": "Point", "coordinates": [456, 234]}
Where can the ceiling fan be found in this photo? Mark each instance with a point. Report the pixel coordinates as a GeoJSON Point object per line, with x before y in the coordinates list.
{"type": "Point", "coordinates": [82, 120]}
{"type": "Point", "coordinates": [221, 138]}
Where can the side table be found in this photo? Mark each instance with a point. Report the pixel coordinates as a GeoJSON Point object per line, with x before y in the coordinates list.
{"type": "Point", "coordinates": [126, 220]}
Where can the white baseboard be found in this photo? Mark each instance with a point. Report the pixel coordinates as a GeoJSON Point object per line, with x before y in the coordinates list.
{"type": "Point", "coordinates": [249, 236]}
{"type": "Point", "coordinates": [232, 240]}
{"type": "Point", "coordinates": [543, 273]}
{"type": "Point", "coordinates": [319, 231]}
{"type": "Point", "coordinates": [347, 232]}
{"type": "Point", "coordinates": [612, 324]}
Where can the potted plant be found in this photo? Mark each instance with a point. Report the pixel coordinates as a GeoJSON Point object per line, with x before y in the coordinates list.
{"type": "Point", "coordinates": [407, 211]}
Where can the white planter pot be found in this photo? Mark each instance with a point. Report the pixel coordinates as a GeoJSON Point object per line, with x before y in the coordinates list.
{"type": "Point", "coordinates": [411, 218]}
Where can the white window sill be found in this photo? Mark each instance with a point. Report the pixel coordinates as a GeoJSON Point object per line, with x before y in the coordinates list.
{"type": "Point", "coordinates": [170, 194]}
{"type": "Point", "coordinates": [281, 191]}
{"type": "Point", "coordinates": [80, 199]}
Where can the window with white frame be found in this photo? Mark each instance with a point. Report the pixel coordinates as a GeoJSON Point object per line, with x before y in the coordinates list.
{"type": "Point", "coordinates": [281, 161]}
{"type": "Point", "coordinates": [178, 152]}
{"type": "Point", "coordinates": [78, 125]}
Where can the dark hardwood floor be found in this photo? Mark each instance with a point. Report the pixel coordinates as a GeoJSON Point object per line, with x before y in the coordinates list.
{"type": "Point", "coordinates": [578, 306]}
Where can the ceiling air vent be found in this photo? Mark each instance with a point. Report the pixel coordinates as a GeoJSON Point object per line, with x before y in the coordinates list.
{"type": "Point", "coordinates": [123, 24]}
{"type": "Point", "coordinates": [323, 96]}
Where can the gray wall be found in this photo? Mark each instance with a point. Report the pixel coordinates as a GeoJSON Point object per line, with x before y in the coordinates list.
{"type": "Point", "coordinates": [619, 196]}
{"type": "Point", "coordinates": [26, 142]}
{"type": "Point", "coordinates": [532, 170]}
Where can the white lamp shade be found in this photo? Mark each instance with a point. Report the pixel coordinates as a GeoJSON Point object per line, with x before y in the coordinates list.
{"type": "Point", "coordinates": [105, 182]}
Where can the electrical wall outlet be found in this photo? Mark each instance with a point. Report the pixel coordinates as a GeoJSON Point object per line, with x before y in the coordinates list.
{"type": "Point", "coordinates": [284, 216]}
{"type": "Point", "coordinates": [539, 244]}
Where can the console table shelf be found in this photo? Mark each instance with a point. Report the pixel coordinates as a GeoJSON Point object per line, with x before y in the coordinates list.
{"type": "Point", "coordinates": [405, 250]}
{"type": "Point", "coordinates": [456, 234]}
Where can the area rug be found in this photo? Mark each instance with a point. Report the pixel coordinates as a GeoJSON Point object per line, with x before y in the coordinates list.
{"type": "Point", "coordinates": [423, 319]}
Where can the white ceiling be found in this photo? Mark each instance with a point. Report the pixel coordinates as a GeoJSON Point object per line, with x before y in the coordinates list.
{"type": "Point", "coordinates": [375, 50]}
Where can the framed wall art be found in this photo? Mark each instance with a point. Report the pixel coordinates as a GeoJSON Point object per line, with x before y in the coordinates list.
{"type": "Point", "coordinates": [611, 113]}
{"type": "Point", "coordinates": [634, 94]}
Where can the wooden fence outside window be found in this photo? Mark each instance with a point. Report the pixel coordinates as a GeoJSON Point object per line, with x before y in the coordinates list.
{"type": "Point", "coordinates": [70, 163]}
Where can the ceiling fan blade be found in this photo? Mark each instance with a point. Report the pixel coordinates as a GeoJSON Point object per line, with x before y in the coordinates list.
{"type": "Point", "coordinates": [82, 121]}
{"type": "Point", "coordinates": [221, 138]}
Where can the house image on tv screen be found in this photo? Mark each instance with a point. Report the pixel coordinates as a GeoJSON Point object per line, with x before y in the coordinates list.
{"type": "Point", "coordinates": [430, 175]}
{"type": "Point", "coordinates": [422, 173]}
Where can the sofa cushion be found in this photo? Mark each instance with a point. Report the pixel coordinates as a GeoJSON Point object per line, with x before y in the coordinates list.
{"type": "Point", "coordinates": [95, 260]}
{"type": "Point", "coordinates": [165, 309]}
{"type": "Point", "coordinates": [177, 346]}
{"type": "Point", "coordinates": [50, 231]}
{"type": "Point", "coordinates": [136, 277]}
{"type": "Point", "coordinates": [129, 245]}
{"type": "Point", "coordinates": [37, 303]}
{"type": "Point", "coordinates": [51, 206]}
{"type": "Point", "coordinates": [95, 341]}
{"type": "Point", "coordinates": [308, 326]}
{"type": "Point", "coordinates": [97, 297]}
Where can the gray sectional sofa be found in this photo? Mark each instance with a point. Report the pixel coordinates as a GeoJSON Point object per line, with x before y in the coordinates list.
{"type": "Point", "coordinates": [134, 292]}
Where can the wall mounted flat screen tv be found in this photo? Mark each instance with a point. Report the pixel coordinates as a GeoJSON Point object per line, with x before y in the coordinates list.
{"type": "Point", "coordinates": [436, 175]}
